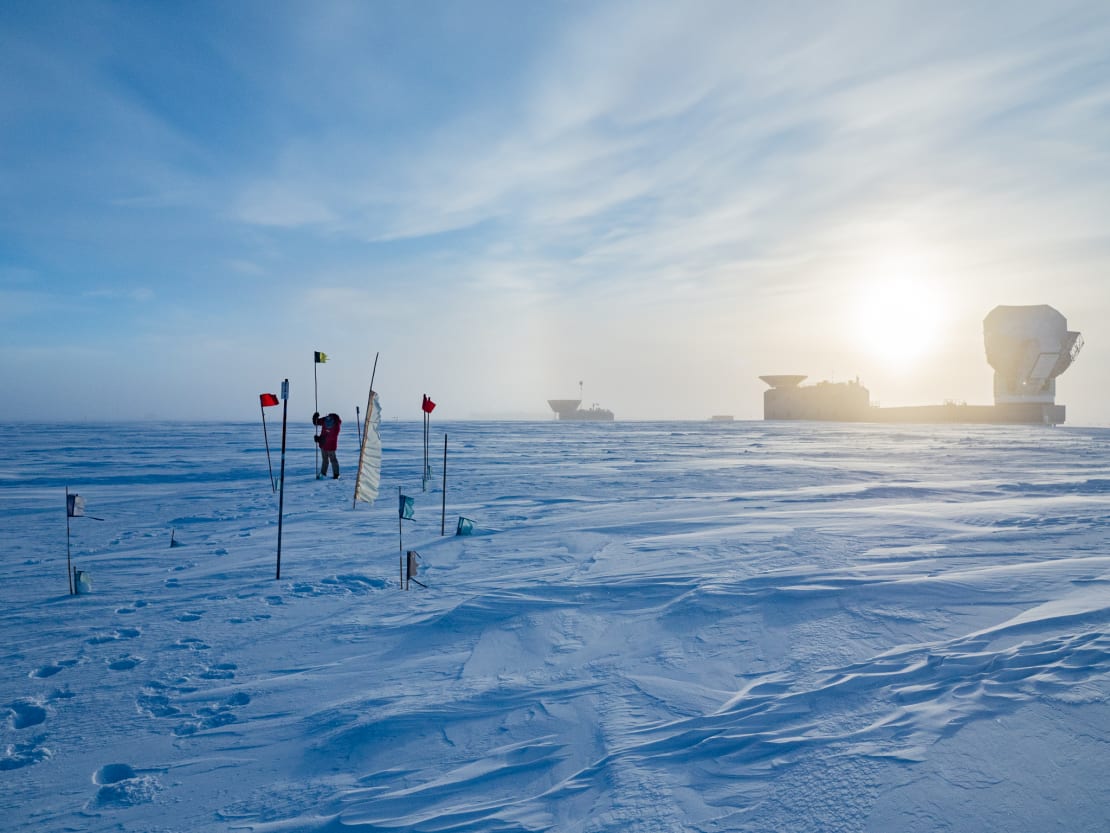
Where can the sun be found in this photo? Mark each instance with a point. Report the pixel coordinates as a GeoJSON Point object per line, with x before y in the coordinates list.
{"type": "Point", "coordinates": [899, 316]}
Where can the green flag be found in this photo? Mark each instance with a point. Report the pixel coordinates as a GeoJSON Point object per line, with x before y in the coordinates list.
{"type": "Point", "coordinates": [404, 509]}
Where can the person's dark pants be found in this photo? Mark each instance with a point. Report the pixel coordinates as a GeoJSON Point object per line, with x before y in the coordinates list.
{"type": "Point", "coordinates": [329, 455]}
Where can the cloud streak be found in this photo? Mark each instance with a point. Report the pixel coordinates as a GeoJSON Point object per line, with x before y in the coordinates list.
{"type": "Point", "coordinates": [629, 185]}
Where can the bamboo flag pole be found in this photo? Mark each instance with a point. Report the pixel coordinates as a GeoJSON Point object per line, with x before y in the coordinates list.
{"type": "Point", "coordinates": [358, 425]}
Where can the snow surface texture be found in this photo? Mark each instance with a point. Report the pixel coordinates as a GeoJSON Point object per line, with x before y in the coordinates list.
{"type": "Point", "coordinates": [655, 627]}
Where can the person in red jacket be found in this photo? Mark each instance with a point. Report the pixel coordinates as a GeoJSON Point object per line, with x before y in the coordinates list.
{"type": "Point", "coordinates": [328, 438]}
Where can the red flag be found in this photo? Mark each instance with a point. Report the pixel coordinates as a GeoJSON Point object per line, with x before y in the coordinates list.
{"type": "Point", "coordinates": [268, 399]}
{"type": "Point", "coordinates": [428, 405]}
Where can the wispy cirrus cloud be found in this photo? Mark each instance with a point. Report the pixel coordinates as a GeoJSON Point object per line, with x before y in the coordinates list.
{"type": "Point", "coordinates": [610, 177]}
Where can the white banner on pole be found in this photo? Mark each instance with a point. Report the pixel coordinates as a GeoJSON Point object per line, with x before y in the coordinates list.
{"type": "Point", "coordinates": [369, 473]}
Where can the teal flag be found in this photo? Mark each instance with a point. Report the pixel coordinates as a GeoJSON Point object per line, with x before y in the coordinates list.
{"type": "Point", "coordinates": [465, 527]}
{"type": "Point", "coordinates": [405, 508]}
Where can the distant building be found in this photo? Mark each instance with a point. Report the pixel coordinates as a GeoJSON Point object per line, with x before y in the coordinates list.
{"type": "Point", "coordinates": [1028, 347]}
{"type": "Point", "coordinates": [567, 410]}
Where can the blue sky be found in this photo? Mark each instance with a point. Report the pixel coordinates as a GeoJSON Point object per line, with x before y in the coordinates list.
{"type": "Point", "coordinates": [663, 201]}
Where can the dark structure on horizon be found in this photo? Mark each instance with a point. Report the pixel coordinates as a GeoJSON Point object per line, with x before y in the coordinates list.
{"type": "Point", "coordinates": [568, 410]}
{"type": "Point", "coordinates": [1028, 347]}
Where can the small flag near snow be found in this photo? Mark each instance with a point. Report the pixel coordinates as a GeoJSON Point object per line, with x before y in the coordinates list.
{"type": "Point", "coordinates": [268, 399]}
{"type": "Point", "coordinates": [428, 405]}
{"type": "Point", "coordinates": [404, 509]}
{"type": "Point", "coordinates": [75, 508]}
{"type": "Point", "coordinates": [465, 527]}
{"type": "Point", "coordinates": [321, 357]}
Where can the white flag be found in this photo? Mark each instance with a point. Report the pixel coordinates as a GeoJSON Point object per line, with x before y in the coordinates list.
{"type": "Point", "coordinates": [75, 506]}
{"type": "Point", "coordinates": [369, 473]}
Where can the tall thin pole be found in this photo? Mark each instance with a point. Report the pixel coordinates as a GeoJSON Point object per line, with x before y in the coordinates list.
{"type": "Point", "coordinates": [267, 437]}
{"type": "Point", "coordinates": [316, 400]}
{"type": "Point", "coordinates": [358, 425]}
{"type": "Point", "coordinates": [281, 497]}
{"type": "Point", "coordinates": [443, 508]}
{"type": "Point", "coordinates": [400, 544]}
{"type": "Point", "coordinates": [69, 563]}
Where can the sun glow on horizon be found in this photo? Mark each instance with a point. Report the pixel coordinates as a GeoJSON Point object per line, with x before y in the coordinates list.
{"type": "Point", "coordinates": [900, 314]}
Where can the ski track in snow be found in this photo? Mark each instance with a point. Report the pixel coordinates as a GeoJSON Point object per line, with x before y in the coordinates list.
{"type": "Point", "coordinates": [657, 627]}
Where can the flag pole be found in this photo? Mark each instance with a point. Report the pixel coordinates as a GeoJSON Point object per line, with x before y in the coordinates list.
{"type": "Point", "coordinates": [373, 373]}
{"type": "Point", "coordinates": [316, 400]}
{"type": "Point", "coordinates": [358, 425]}
{"type": "Point", "coordinates": [69, 563]}
{"type": "Point", "coordinates": [262, 407]}
{"type": "Point", "coordinates": [281, 497]}
{"type": "Point", "coordinates": [443, 508]}
{"type": "Point", "coordinates": [400, 538]}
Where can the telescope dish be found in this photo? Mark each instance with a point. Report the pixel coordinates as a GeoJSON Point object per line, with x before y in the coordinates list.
{"type": "Point", "coordinates": [1028, 347]}
{"type": "Point", "coordinates": [784, 380]}
{"type": "Point", "coordinates": [564, 406]}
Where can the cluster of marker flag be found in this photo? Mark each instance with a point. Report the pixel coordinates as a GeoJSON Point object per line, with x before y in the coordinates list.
{"type": "Point", "coordinates": [368, 476]}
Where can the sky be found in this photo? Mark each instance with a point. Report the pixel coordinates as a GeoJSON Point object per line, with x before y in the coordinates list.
{"type": "Point", "coordinates": [503, 200]}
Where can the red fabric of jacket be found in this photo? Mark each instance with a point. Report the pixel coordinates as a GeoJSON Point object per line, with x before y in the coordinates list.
{"type": "Point", "coordinates": [329, 431]}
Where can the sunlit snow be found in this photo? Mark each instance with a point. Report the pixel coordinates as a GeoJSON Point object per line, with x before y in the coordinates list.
{"type": "Point", "coordinates": [654, 627]}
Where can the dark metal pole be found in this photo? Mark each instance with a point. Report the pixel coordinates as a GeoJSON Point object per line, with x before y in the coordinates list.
{"type": "Point", "coordinates": [316, 399]}
{"type": "Point", "coordinates": [424, 471]}
{"type": "Point", "coordinates": [443, 509]}
{"type": "Point", "coordinates": [400, 540]}
{"type": "Point", "coordinates": [281, 494]}
{"type": "Point", "coordinates": [69, 563]}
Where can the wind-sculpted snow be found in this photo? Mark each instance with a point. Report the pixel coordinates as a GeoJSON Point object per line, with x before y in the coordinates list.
{"type": "Point", "coordinates": [654, 627]}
